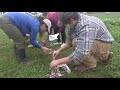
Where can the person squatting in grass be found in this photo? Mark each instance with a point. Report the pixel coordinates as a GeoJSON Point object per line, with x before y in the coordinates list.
{"type": "Point", "coordinates": [90, 38]}
{"type": "Point", "coordinates": [16, 25]}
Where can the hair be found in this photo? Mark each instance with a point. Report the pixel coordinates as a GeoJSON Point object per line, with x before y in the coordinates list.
{"type": "Point", "coordinates": [42, 22]}
{"type": "Point", "coordinates": [66, 16]}
{"type": "Point", "coordinates": [41, 18]}
{"type": "Point", "coordinates": [45, 14]}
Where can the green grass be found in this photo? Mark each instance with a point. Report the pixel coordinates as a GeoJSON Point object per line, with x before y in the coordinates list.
{"type": "Point", "coordinates": [106, 15]}
{"type": "Point", "coordinates": [10, 68]}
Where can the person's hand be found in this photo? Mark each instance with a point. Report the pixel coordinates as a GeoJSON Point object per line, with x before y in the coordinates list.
{"type": "Point", "coordinates": [45, 49]}
{"type": "Point", "coordinates": [54, 63]}
{"type": "Point", "coordinates": [55, 54]}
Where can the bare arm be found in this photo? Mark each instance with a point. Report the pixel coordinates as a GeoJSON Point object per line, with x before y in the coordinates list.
{"type": "Point", "coordinates": [66, 46]}
{"type": "Point", "coordinates": [64, 60]}
{"type": "Point", "coordinates": [56, 53]}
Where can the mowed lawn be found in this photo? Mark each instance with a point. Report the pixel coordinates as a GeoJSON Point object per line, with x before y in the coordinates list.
{"type": "Point", "coordinates": [10, 68]}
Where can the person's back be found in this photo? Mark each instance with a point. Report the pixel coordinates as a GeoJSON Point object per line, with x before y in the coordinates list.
{"type": "Point", "coordinates": [23, 21]}
{"type": "Point", "coordinates": [102, 32]}
{"type": "Point", "coordinates": [53, 17]}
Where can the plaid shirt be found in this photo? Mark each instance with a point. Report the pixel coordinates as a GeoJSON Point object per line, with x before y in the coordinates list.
{"type": "Point", "coordinates": [88, 29]}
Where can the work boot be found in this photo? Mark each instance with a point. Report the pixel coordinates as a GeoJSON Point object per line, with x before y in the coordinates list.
{"type": "Point", "coordinates": [15, 50]}
{"type": "Point", "coordinates": [83, 67]}
{"type": "Point", "coordinates": [21, 55]}
{"type": "Point", "coordinates": [108, 59]}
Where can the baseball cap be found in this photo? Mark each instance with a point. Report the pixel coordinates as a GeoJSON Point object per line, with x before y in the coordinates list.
{"type": "Point", "coordinates": [48, 23]}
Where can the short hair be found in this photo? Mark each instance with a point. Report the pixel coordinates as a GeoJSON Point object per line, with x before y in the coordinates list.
{"type": "Point", "coordinates": [66, 16]}
{"type": "Point", "coordinates": [41, 18]}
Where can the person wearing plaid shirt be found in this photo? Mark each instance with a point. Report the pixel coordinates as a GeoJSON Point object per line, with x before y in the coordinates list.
{"type": "Point", "coordinates": [90, 38]}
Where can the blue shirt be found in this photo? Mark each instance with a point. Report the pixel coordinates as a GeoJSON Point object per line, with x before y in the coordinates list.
{"type": "Point", "coordinates": [26, 24]}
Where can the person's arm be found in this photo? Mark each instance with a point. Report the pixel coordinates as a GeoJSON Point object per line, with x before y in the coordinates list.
{"type": "Point", "coordinates": [66, 46]}
{"type": "Point", "coordinates": [85, 39]}
{"type": "Point", "coordinates": [56, 53]}
{"type": "Point", "coordinates": [34, 42]}
{"type": "Point", "coordinates": [64, 60]}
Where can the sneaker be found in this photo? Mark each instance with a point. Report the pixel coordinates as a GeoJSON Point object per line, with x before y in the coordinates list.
{"type": "Point", "coordinates": [30, 46]}
{"type": "Point", "coordinates": [57, 43]}
{"type": "Point", "coordinates": [83, 67]}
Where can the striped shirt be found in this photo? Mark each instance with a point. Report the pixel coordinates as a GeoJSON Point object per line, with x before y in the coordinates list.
{"type": "Point", "coordinates": [88, 29]}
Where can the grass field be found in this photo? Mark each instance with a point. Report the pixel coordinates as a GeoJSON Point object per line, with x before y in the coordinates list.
{"type": "Point", "coordinates": [10, 68]}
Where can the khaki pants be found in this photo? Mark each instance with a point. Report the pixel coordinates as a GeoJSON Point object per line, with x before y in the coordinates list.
{"type": "Point", "coordinates": [98, 53]}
